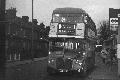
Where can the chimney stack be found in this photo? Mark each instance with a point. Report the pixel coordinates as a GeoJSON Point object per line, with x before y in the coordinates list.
{"type": "Point", "coordinates": [35, 21]}
{"type": "Point", "coordinates": [11, 13]}
{"type": "Point", "coordinates": [25, 19]}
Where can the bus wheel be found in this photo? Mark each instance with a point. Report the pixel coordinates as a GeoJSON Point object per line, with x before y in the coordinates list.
{"type": "Point", "coordinates": [50, 71]}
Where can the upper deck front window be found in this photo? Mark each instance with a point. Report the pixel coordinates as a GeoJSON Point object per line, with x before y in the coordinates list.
{"type": "Point", "coordinates": [75, 18]}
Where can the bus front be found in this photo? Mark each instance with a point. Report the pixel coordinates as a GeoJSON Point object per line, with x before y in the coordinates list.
{"type": "Point", "coordinates": [66, 42]}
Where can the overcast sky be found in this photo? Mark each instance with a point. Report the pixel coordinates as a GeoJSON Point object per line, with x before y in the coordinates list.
{"type": "Point", "coordinates": [97, 9]}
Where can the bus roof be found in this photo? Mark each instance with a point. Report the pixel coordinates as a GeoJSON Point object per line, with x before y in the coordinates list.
{"type": "Point", "coordinates": [68, 10]}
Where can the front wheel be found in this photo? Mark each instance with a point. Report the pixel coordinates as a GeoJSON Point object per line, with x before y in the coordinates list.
{"type": "Point", "coordinates": [50, 71]}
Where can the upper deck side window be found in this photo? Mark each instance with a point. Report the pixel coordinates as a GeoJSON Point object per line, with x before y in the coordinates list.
{"type": "Point", "coordinates": [67, 17]}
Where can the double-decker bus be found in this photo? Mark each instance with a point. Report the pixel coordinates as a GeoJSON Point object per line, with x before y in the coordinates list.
{"type": "Point", "coordinates": [72, 41]}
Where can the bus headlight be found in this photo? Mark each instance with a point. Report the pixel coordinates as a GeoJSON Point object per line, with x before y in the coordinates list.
{"type": "Point", "coordinates": [51, 61]}
{"type": "Point", "coordinates": [84, 53]}
{"type": "Point", "coordinates": [78, 62]}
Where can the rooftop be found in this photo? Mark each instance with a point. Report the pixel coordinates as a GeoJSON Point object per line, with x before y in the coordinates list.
{"type": "Point", "coordinates": [69, 10]}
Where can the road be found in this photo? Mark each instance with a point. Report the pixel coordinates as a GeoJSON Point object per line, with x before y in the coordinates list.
{"type": "Point", "coordinates": [100, 71]}
{"type": "Point", "coordinates": [67, 76]}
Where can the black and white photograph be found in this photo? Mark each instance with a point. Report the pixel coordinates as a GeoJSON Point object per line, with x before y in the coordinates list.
{"type": "Point", "coordinates": [59, 39]}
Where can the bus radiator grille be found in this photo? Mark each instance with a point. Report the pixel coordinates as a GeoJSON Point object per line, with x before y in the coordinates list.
{"type": "Point", "coordinates": [63, 64]}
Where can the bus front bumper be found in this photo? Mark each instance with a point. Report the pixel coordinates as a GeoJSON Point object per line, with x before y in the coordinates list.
{"type": "Point", "coordinates": [80, 69]}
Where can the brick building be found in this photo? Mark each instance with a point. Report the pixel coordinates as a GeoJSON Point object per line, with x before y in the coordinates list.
{"type": "Point", "coordinates": [19, 37]}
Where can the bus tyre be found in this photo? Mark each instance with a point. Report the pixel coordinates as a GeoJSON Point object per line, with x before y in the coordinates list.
{"type": "Point", "coordinates": [84, 73]}
{"type": "Point", "coordinates": [50, 71]}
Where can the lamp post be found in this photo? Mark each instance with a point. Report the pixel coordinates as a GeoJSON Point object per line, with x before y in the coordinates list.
{"type": "Point", "coordinates": [32, 33]}
{"type": "Point", "coordinates": [32, 10]}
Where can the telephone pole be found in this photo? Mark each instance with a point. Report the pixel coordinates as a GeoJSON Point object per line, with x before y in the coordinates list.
{"type": "Point", "coordinates": [32, 55]}
{"type": "Point", "coordinates": [32, 10]}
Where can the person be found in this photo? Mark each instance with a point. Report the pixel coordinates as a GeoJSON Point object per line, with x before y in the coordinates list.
{"type": "Point", "coordinates": [104, 54]}
{"type": "Point", "coordinates": [112, 54]}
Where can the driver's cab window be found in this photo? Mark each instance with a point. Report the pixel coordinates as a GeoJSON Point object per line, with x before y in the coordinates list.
{"type": "Point", "coordinates": [80, 45]}
{"type": "Point", "coordinates": [56, 46]}
{"type": "Point", "coordinates": [69, 45]}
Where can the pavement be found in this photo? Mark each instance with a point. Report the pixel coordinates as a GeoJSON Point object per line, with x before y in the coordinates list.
{"type": "Point", "coordinates": [103, 71]}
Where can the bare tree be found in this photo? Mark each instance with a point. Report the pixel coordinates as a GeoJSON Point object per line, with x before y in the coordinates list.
{"type": "Point", "coordinates": [104, 30]}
